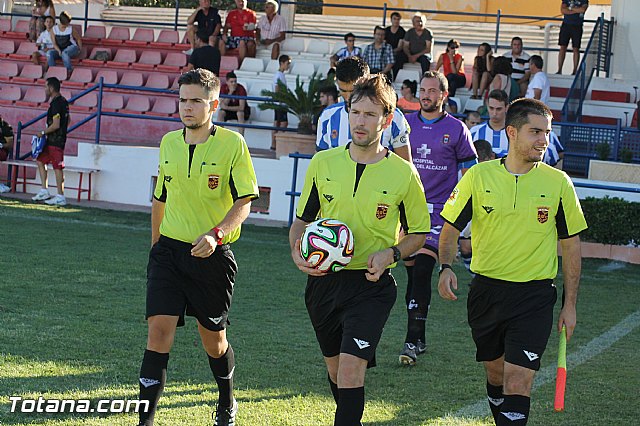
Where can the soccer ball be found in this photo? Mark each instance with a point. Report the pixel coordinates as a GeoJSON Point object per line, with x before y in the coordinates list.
{"type": "Point", "coordinates": [327, 244]}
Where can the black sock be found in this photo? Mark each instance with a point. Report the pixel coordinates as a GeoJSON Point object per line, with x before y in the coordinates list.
{"type": "Point", "coordinates": [514, 411]}
{"type": "Point", "coordinates": [334, 388]}
{"type": "Point", "coordinates": [420, 299]}
{"type": "Point", "coordinates": [407, 295]}
{"type": "Point", "coordinates": [153, 376]}
{"type": "Point", "coordinates": [495, 399]}
{"type": "Point", "coordinates": [222, 369]}
{"type": "Point", "coordinates": [350, 407]}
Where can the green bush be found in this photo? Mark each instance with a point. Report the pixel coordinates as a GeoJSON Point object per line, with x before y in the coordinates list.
{"type": "Point", "coordinates": [222, 5]}
{"type": "Point", "coordinates": [611, 221]}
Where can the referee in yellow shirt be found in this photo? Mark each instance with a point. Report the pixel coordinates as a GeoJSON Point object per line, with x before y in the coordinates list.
{"type": "Point", "coordinates": [205, 186]}
{"type": "Point", "coordinates": [520, 208]}
{"type": "Point", "coordinates": [373, 191]}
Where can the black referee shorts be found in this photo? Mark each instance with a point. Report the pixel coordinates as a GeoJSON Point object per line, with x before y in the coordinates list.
{"type": "Point", "coordinates": [348, 312]}
{"type": "Point", "coordinates": [179, 283]}
{"type": "Point", "coordinates": [514, 319]}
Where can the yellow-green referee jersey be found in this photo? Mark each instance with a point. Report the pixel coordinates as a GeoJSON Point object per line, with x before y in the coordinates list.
{"type": "Point", "coordinates": [517, 220]}
{"type": "Point", "coordinates": [372, 199]}
{"type": "Point", "coordinates": [199, 193]}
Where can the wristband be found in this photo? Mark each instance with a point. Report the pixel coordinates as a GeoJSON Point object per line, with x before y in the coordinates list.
{"type": "Point", "coordinates": [397, 255]}
{"type": "Point", "coordinates": [443, 267]}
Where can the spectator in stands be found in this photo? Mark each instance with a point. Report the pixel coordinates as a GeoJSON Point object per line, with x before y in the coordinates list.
{"type": "Point", "coordinates": [349, 50]}
{"type": "Point", "coordinates": [205, 21]}
{"type": "Point", "coordinates": [494, 129]}
{"type": "Point", "coordinates": [271, 28]}
{"type": "Point", "coordinates": [280, 117]}
{"type": "Point", "coordinates": [571, 29]}
{"type": "Point", "coordinates": [379, 55]}
{"type": "Point", "coordinates": [204, 55]}
{"type": "Point", "coordinates": [328, 97]}
{"type": "Point", "coordinates": [234, 109]}
{"type": "Point", "coordinates": [408, 102]}
{"type": "Point", "coordinates": [66, 43]}
{"type": "Point", "coordinates": [473, 119]}
{"type": "Point", "coordinates": [519, 63]}
{"type": "Point", "coordinates": [242, 23]}
{"type": "Point", "coordinates": [501, 72]}
{"type": "Point", "coordinates": [555, 152]}
{"type": "Point", "coordinates": [452, 64]}
{"type": "Point", "coordinates": [39, 13]}
{"type": "Point", "coordinates": [394, 36]}
{"type": "Point", "coordinates": [53, 151]}
{"type": "Point", "coordinates": [418, 42]}
{"type": "Point", "coordinates": [44, 42]}
{"type": "Point", "coordinates": [481, 70]}
{"type": "Point", "coordinates": [6, 146]}
{"type": "Point", "coordinates": [539, 86]}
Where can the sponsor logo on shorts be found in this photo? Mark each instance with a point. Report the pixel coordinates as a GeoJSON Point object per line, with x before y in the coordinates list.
{"type": "Point", "coordinates": [214, 180]}
{"type": "Point", "coordinates": [488, 209]}
{"type": "Point", "coordinates": [531, 355]}
{"type": "Point", "coordinates": [361, 343]}
{"type": "Point", "coordinates": [216, 321]}
{"type": "Point", "coordinates": [328, 197]}
{"type": "Point", "coordinates": [381, 211]}
{"type": "Point", "coordinates": [148, 382]}
{"type": "Point", "coordinates": [543, 214]}
{"type": "Point", "coordinates": [513, 416]}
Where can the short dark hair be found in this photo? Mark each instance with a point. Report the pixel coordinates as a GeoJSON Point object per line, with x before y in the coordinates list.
{"type": "Point", "coordinates": [53, 18]}
{"type": "Point", "coordinates": [350, 69]}
{"type": "Point", "coordinates": [520, 109]}
{"type": "Point", "coordinates": [502, 65]}
{"type": "Point", "coordinates": [516, 38]}
{"type": "Point", "coordinates": [376, 28]}
{"type": "Point", "coordinates": [54, 83]}
{"type": "Point", "coordinates": [65, 17]}
{"type": "Point", "coordinates": [499, 95]}
{"type": "Point", "coordinates": [444, 83]}
{"type": "Point", "coordinates": [202, 36]}
{"type": "Point", "coordinates": [330, 90]}
{"type": "Point", "coordinates": [396, 14]}
{"type": "Point", "coordinates": [349, 35]}
{"type": "Point", "coordinates": [537, 61]}
{"type": "Point", "coordinates": [231, 74]}
{"type": "Point", "coordinates": [203, 78]}
{"type": "Point", "coordinates": [484, 149]}
{"type": "Point", "coordinates": [453, 43]}
{"type": "Point", "coordinates": [284, 58]}
{"type": "Point", "coordinates": [378, 89]}
{"type": "Point", "coordinates": [412, 85]}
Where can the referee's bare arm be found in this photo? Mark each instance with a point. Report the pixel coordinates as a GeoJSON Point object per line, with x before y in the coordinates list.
{"type": "Point", "coordinates": [157, 213]}
{"type": "Point", "coordinates": [206, 244]}
{"type": "Point", "coordinates": [447, 252]}
{"type": "Point", "coordinates": [295, 232]}
{"type": "Point", "coordinates": [379, 261]}
{"type": "Point", "coordinates": [571, 267]}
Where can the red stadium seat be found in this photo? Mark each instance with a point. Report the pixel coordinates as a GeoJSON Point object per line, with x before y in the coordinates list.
{"type": "Point", "coordinates": [111, 102]}
{"type": "Point", "coordinates": [137, 105]}
{"type": "Point", "coordinates": [157, 81]}
{"type": "Point", "coordinates": [148, 60]}
{"type": "Point", "coordinates": [85, 103]}
{"type": "Point", "coordinates": [117, 36]}
{"type": "Point", "coordinates": [57, 71]}
{"type": "Point", "coordinates": [29, 74]}
{"type": "Point", "coordinates": [141, 38]}
{"type": "Point", "coordinates": [164, 106]}
{"type": "Point", "coordinates": [109, 76]}
{"type": "Point", "coordinates": [166, 38]}
{"type": "Point", "coordinates": [20, 31]}
{"type": "Point", "coordinates": [33, 97]}
{"type": "Point", "coordinates": [8, 70]}
{"type": "Point", "coordinates": [228, 63]}
{"type": "Point", "coordinates": [6, 47]}
{"type": "Point", "coordinates": [22, 26]}
{"type": "Point", "coordinates": [132, 79]}
{"type": "Point", "coordinates": [80, 77]}
{"type": "Point", "coordinates": [24, 51]}
{"type": "Point", "coordinates": [97, 32]}
{"type": "Point", "coordinates": [124, 58]}
{"type": "Point", "coordinates": [9, 94]}
{"type": "Point", "coordinates": [173, 62]}
{"type": "Point", "coordinates": [5, 25]}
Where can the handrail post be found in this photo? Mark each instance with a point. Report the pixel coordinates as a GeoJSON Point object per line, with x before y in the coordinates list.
{"type": "Point", "coordinates": [384, 15]}
{"type": "Point", "coordinates": [175, 22]}
{"type": "Point", "coordinates": [497, 30]}
{"type": "Point", "coordinates": [99, 112]}
{"type": "Point", "coordinates": [601, 23]}
{"type": "Point", "coordinates": [616, 140]}
{"type": "Point", "coordinates": [86, 14]}
{"type": "Point", "coordinates": [294, 179]}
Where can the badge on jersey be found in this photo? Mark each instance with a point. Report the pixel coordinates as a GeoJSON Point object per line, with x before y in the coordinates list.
{"type": "Point", "coordinates": [214, 180]}
{"type": "Point", "coordinates": [334, 134]}
{"type": "Point", "coordinates": [543, 214]}
{"type": "Point", "coordinates": [445, 139]}
{"type": "Point", "coordinates": [381, 211]}
{"type": "Point", "coordinates": [453, 197]}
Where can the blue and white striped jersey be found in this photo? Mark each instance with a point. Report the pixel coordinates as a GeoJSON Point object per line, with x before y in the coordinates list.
{"type": "Point", "coordinates": [497, 139]}
{"type": "Point", "coordinates": [552, 154]}
{"type": "Point", "coordinates": [333, 129]}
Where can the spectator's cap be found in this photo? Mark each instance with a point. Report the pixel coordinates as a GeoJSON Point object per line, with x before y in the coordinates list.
{"type": "Point", "coordinates": [274, 3]}
{"type": "Point", "coordinates": [66, 14]}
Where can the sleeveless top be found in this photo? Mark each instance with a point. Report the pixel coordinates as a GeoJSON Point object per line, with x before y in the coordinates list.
{"type": "Point", "coordinates": [64, 38]}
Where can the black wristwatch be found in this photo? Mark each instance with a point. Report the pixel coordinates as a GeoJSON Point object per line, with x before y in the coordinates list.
{"type": "Point", "coordinates": [397, 255]}
{"type": "Point", "coordinates": [443, 267]}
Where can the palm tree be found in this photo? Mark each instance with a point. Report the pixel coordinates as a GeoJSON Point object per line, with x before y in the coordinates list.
{"type": "Point", "coordinates": [304, 104]}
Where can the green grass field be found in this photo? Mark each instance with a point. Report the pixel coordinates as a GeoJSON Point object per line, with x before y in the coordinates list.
{"type": "Point", "coordinates": [72, 326]}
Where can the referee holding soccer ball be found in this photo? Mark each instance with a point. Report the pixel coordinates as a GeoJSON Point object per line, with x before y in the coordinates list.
{"type": "Point", "coordinates": [520, 208]}
{"type": "Point", "coordinates": [205, 186]}
{"type": "Point", "coordinates": [373, 191]}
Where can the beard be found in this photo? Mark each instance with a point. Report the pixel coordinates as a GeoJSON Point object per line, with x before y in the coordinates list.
{"type": "Point", "coordinates": [195, 126]}
{"type": "Point", "coordinates": [432, 107]}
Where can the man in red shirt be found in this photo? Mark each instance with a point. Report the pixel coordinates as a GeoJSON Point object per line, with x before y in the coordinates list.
{"type": "Point", "coordinates": [234, 109]}
{"type": "Point", "coordinates": [242, 23]}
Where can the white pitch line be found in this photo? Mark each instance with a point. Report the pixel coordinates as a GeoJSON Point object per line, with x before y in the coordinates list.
{"type": "Point", "coordinates": [546, 375]}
